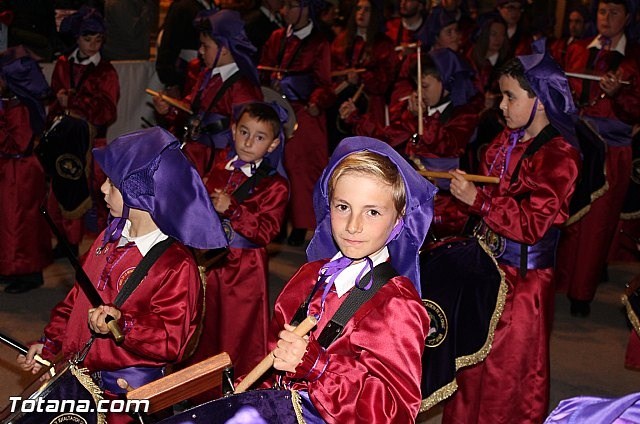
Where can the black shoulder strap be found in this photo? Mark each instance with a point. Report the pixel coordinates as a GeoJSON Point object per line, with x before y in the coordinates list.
{"type": "Point", "coordinates": [381, 274]}
{"type": "Point", "coordinates": [263, 171]}
{"type": "Point", "coordinates": [141, 271]}
{"type": "Point", "coordinates": [225, 86]}
{"type": "Point", "coordinates": [545, 135]}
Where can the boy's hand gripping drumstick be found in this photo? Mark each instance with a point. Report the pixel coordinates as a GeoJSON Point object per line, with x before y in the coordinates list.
{"type": "Point", "coordinates": [265, 365]}
{"type": "Point", "coordinates": [173, 102]}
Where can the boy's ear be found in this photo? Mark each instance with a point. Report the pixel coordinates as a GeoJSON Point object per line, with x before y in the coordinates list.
{"type": "Point", "coordinates": [233, 128]}
{"type": "Point", "coordinates": [273, 144]}
{"type": "Point", "coordinates": [540, 106]}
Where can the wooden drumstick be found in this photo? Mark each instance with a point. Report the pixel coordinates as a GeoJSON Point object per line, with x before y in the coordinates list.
{"type": "Point", "coordinates": [468, 177]}
{"type": "Point", "coordinates": [124, 384]}
{"type": "Point", "coordinates": [358, 93]}
{"type": "Point", "coordinates": [344, 72]}
{"type": "Point", "coordinates": [419, 80]}
{"type": "Point", "coordinates": [272, 69]}
{"type": "Point", "coordinates": [592, 77]}
{"type": "Point", "coordinates": [173, 102]}
{"type": "Point", "coordinates": [265, 365]}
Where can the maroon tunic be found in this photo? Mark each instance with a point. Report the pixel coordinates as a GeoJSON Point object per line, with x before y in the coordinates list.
{"type": "Point", "coordinates": [97, 90]}
{"type": "Point", "coordinates": [379, 61]}
{"type": "Point", "coordinates": [237, 299]}
{"type": "Point", "coordinates": [371, 373]}
{"type": "Point", "coordinates": [307, 152]}
{"type": "Point", "coordinates": [584, 245]}
{"type": "Point", "coordinates": [512, 384]}
{"type": "Point", "coordinates": [24, 234]}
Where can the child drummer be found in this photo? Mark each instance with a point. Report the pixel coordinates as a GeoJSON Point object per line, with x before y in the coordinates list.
{"type": "Point", "coordinates": [156, 198]}
{"type": "Point", "coordinates": [373, 213]}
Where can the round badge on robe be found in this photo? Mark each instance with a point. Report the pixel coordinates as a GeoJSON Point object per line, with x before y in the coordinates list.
{"type": "Point", "coordinates": [438, 324]}
{"type": "Point", "coordinates": [69, 166]}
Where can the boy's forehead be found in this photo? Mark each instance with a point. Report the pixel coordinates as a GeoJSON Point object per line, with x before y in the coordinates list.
{"type": "Point", "coordinates": [257, 125]}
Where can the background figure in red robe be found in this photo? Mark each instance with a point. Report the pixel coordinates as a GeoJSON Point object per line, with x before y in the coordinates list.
{"type": "Point", "coordinates": [150, 190]}
{"type": "Point", "coordinates": [250, 197]}
{"type": "Point", "coordinates": [87, 87]}
{"type": "Point", "coordinates": [577, 26]}
{"type": "Point", "coordinates": [304, 56]}
{"type": "Point", "coordinates": [450, 116]}
{"type": "Point", "coordinates": [611, 108]}
{"type": "Point", "coordinates": [373, 211]}
{"type": "Point", "coordinates": [24, 235]}
{"type": "Point", "coordinates": [228, 78]}
{"type": "Point", "coordinates": [520, 39]}
{"type": "Point", "coordinates": [538, 166]}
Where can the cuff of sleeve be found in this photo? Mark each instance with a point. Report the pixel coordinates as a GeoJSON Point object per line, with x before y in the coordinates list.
{"type": "Point", "coordinates": [50, 348]}
{"type": "Point", "coordinates": [313, 364]}
{"type": "Point", "coordinates": [233, 211]}
{"type": "Point", "coordinates": [128, 323]}
{"type": "Point", "coordinates": [482, 204]}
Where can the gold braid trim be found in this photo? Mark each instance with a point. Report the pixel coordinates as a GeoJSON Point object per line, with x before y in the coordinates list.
{"type": "Point", "coordinates": [630, 215]}
{"type": "Point", "coordinates": [635, 322]}
{"type": "Point", "coordinates": [465, 361]}
{"type": "Point", "coordinates": [82, 374]}
{"type": "Point", "coordinates": [296, 402]}
{"type": "Point", "coordinates": [582, 212]}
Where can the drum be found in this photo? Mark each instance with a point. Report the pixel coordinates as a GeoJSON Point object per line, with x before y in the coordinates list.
{"type": "Point", "coordinates": [45, 404]}
{"type": "Point", "coordinates": [271, 95]}
{"type": "Point", "coordinates": [464, 292]}
{"type": "Point", "coordinates": [273, 406]}
{"type": "Point", "coordinates": [64, 151]}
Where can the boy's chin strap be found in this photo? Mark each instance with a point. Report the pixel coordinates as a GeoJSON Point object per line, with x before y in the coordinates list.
{"type": "Point", "coordinates": [115, 227]}
{"type": "Point", "coordinates": [519, 133]}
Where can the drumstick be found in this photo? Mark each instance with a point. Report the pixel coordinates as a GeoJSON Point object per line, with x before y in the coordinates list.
{"type": "Point", "coordinates": [124, 384]}
{"type": "Point", "coordinates": [173, 102]}
{"type": "Point", "coordinates": [340, 87]}
{"type": "Point", "coordinates": [265, 365]}
{"type": "Point", "coordinates": [468, 177]}
{"type": "Point", "coordinates": [420, 123]}
{"type": "Point", "coordinates": [358, 93]}
{"type": "Point", "coordinates": [346, 71]}
{"type": "Point", "coordinates": [22, 349]}
{"type": "Point", "coordinates": [271, 69]}
{"type": "Point", "coordinates": [406, 46]}
{"type": "Point", "coordinates": [591, 77]}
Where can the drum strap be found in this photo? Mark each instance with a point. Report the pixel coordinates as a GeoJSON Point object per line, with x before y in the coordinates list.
{"type": "Point", "coordinates": [381, 274]}
{"type": "Point", "coordinates": [244, 191]}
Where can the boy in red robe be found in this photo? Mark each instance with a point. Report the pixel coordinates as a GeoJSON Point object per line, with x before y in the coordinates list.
{"type": "Point", "coordinates": [250, 197]}
{"type": "Point", "coordinates": [26, 249]}
{"type": "Point", "coordinates": [304, 55]}
{"type": "Point", "coordinates": [156, 199]}
{"type": "Point", "coordinates": [538, 166]}
{"type": "Point", "coordinates": [373, 211]}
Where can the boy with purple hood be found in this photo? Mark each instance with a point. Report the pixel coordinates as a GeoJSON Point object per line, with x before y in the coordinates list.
{"type": "Point", "coordinates": [373, 211]}
{"type": "Point", "coordinates": [158, 206]}
{"type": "Point", "coordinates": [537, 162]}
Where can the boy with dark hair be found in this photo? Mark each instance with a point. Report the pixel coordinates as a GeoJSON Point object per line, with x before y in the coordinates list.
{"type": "Point", "coordinates": [250, 197]}
{"type": "Point", "coordinates": [538, 166]}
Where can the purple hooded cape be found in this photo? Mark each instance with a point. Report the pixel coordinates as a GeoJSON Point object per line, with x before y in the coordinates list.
{"type": "Point", "coordinates": [404, 248]}
{"type": "Point", "coordinates": [587, 409]}
{"type": "Point", "coordinates": [153, 175]}
{"type": "Point", "coordinates": [24, 78]}
{"type": "Point", "coordinates": [455, 74]}
{"type": "Point", "coordinates": [227, 30]}
{"type": "Point", "coordinates": [86, 20]}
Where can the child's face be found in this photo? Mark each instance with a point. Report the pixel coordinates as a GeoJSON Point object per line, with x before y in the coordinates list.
{"type": "Point", "coordinates": [431, 90]}
{"type": "Point", "coordinates": [516, 105]}
{"type": "Point", "coordinates": [209, 50]}
{"type": "Point", "coordinates": [497, 37]}
{"type": "Point", "coordinates": [363, 14]}
{"type": "Point", "coordinates": [362, 214]}
{"type": "Point", "coordinates": [449, 38]}
{"type": "Point", "coordinates": [113, 198]}
{"type": "Point", "coordinates": [90, 44]}
{"type": "Point", "coordinates": [253, 139]}
{"type": "Point", "coordinates": [612, 18]}
{"type": "Point", "coordinates": [511, 12]}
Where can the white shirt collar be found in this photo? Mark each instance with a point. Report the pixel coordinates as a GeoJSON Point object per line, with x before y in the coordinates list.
{"type": "Point", "coordinates": [347, 278]}
{"type": "Point", "coordinates": [362, 33]}
{"type": "Point", "coordinates": [302, 33]}
{"type": "Point", "coordinates": [225, 71]}
{"type": "Point", "coordinates": [206, 4]}
{"type": "Point", "coordinates": [246, 168]}
{"type": "Point", "coordinates": [620, 47]}
{"type": "Point", "coordinates": [414, 26]}
{"type": "Point", "coordinates": [95, 59]}
{"type": "Point", "coordinates": [271, 16]}
{"type": "Point", "coordinates": [493, 59]}
{"type": "Point", "coordinates": [441, 108]}
{"type": "Point", "coordinates": [143, 243]}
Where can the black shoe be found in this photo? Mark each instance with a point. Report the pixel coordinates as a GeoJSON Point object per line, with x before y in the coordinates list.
{"type": "Point", "coordinates": [60, 252]}
{"type": "Point", "coordinates": [297, 237]}
{"type": "Point", "coordinates": [24, 283]}
{"type": "Point", "coordinates": [580, 308]}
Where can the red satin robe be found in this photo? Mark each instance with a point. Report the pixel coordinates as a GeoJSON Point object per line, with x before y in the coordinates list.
{"type": "Point", "coordinates": [24, 234]}
{"type": "Point", "coordinates": [379, 62]}
{"type": "Point", "coordinates": [237, 299]}
{"type": "Point", "coordinates": [95, 100]}
{"type": "Point", "coordinates": [158, 319]}
{"type": "Point", "coordinates": [307, 152]}
{"type": "Point", "coordinates": [371, 373]}
{"type": "Point", "coordinates": [584, 245]}
{"type": "Point", "coordinates": [444, 136]}
{"type": "Point", "coordinates": [512, 384]}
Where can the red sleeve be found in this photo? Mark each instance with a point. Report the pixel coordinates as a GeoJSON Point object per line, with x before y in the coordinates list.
{"type": "Point", "coordinates": [380, 69]}
{"type": "Point", "coordinates": [15, 131]}
{"type": "Point", "coordinates": [322, 95]}
{"type": "Point", "coordinates": [97, 98]}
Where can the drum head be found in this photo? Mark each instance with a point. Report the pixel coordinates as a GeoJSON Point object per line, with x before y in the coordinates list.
{"type": "Point", "coordinates": [271, 95]}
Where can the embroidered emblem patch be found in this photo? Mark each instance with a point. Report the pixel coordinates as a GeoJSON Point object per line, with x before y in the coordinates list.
{"type": "Point", "coordinates": [69, 167]}
{"type": "Point", "coordinates": [124, 277]}
{"type": "Point", "coordinates": [228, 231]}
{"type": "Point", "coordinates": [438, 325]}
{"type": "Point", "coordinates": [67, 418]}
